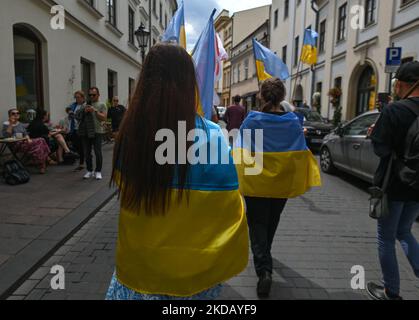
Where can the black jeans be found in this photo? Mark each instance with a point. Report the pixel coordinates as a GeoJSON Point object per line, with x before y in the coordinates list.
{"type": "Point", "coordinates": [263, 216]}
{"type": "Point", "coordinates": [96, 144]}
{"type": "Point", "coordinates": [77, 145]}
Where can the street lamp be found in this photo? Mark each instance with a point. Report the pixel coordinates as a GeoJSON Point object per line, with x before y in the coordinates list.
{"type": "Point", "coordinates": [142, 35]}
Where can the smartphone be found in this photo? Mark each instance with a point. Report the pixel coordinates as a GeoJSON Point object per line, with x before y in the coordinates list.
{"type": "Point", "coordinates": [383, 98]}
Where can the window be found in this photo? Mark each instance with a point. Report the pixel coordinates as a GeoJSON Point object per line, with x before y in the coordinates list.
{"type": "Point", "coordinates": [112, 12]}
{"type": "Point", "coordinates": [161, 14]}
{"type": "Point", "coordinates": [370, 8]}
{"type": "Point", "coordinates": [360, 127]}
{"type": "Point", "coordinates": [155, 7]}
{"type": "Point", "coordinates": [276, 18]}
{"type": "Point", "coordinates": [296, 51]}
{"type": "Point", "coordinates": [91, 2]}
{"type": "Point", "coordinates": [86, 76]}
{"type": "Point", "coordinates": [342, 22]}
{"type": "Point", "coordinates": [405, 2]}
{"type": "Point", "coordinates": [322, 36]}
{"type": "Point", "coordinates": [131, 87]}
{"type": "Point", "coordinates": [284, 54]}
{"type": "Point", "coordinates": [165, 20]}
{"type": "Point", "coordinates": [28, 68]}
{"type": "Point", "coordinates": [286, 9]}
{"type": "Point", "coordinates": [238, 72]}
{"type": "Point", "coordinates": [246, 69]}
{"type": "Point", "coordinates": [112, 84]}
{"type": "Point", "coordinates": [131, 26]}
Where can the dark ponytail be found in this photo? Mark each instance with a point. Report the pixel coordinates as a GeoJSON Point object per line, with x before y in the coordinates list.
{"type": "Point", "coordinates": [273, 92]}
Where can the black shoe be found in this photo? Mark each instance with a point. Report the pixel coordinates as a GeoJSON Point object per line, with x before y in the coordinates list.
{"type": "Point", "coordinates": [71, 155]}
{"type": "Point", "coordinates": [264, 285]}
{"type": "Point", "coordinates": [377, 292]}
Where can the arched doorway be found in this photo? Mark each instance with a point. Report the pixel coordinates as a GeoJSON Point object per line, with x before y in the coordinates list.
{"type": "Point", "coordinates": [28, 68]}
{"type": "Point", "coordinates": [366, 92]}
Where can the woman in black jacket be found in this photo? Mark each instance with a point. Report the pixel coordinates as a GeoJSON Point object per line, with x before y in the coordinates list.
{"type": "Point", "coordinates": [39, 129]}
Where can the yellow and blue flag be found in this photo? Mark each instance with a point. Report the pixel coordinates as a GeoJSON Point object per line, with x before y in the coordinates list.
{"type": "Point", "coordinates": [286, 167]}
{"type": "Point", "coordinates": [309, 52]}
{"type": "Point", "coordinates": [176, 29]}
{"type": "Point", "coordinates": [268, 64]}
{"type": "Point", "coordinates": [200, 242]}
{"type": "Point", "coordinates": [205, 62]}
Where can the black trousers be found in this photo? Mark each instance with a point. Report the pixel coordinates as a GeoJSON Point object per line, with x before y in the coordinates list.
{"type": "Point", "coordinates": [77, 144]}
{"type": "Point", "coordinates": [263, 216]}
{"type": "Point", "coordinates": [96, 144]}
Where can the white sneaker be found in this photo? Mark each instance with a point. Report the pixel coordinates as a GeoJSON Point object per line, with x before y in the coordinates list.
{"type": "Point", "coordinates": [98, 176]}
{"type": "Point", "coordinates": [88, 175]}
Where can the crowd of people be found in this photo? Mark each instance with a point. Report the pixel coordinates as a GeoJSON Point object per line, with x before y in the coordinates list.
{"type": "Point", "coordinates": [73, 138]}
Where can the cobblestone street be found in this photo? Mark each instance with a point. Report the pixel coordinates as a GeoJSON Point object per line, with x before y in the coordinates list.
{"type": "Point", "coordinates": [321, 237]}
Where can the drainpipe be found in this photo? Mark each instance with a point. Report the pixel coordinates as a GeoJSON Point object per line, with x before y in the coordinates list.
{"type": "Point", "coordinates": [317, 12]}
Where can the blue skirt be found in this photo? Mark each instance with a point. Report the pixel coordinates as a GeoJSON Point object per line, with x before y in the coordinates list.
{"type": "Point", "coordinates": [118, 291]}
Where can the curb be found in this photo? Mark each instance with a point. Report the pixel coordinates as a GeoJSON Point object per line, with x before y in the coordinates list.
{"type": "Point", "coordinates": [15, 272]}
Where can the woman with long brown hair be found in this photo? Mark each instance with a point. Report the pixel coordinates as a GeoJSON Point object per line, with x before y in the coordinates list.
{"type": "Point", "coordinates": [182, 228]}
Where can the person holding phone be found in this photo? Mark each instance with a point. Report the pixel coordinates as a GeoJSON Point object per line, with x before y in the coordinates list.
{"type": "Point", "coordinates": [91, 117]}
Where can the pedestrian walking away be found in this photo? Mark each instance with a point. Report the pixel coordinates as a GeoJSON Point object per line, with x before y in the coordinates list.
{"type": "Point", "coordinates": [182, 226]}
{"type": "Point", "coordinates": [396, 134]}
{"type": "Point", "coordinates": [235, 115]}
{"type": "Point", "coordinates": [288, 170]}
{"type": "Point", "coordinates": [91, 117]}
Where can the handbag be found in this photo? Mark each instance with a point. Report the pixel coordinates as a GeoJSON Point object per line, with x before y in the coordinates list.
{"type": "Point", "coordinates": [379, 202]}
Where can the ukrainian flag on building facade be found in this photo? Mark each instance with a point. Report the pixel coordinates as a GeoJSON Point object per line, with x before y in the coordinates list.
{"type": "Point", "coordinates": [268, 64]}
{"type": "Point", "coordinates": [309, 53]}
{"type": "Point", "coordinates": [286, 167]}
{"type": "Point", "coordinates": [200, 242]}
{"type": "Point", "coordinates": [176, 29]}
{"type": "Point", "coordinates": [205, 62]}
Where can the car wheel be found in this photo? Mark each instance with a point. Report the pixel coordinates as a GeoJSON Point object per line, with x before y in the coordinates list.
{"type": "Point", "coordinates": [326, 161]}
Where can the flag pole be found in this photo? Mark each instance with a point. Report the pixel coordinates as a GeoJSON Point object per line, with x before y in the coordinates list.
{"type": "Point", "coordinates": [296, 79]}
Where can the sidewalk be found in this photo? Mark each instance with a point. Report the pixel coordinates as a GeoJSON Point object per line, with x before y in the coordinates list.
{"type": "Point", "coordinates": [37, 217]}
{"type": "Point", "coordinates": [322, 235]}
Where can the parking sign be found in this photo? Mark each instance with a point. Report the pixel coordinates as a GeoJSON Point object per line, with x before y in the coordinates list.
{"type": "Point", "coordinates": [394, 59]}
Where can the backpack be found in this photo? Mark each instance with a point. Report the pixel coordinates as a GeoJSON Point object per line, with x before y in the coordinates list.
{"type": "Point", "coordinates": [14, 173]}
{"type": "Point", "coordinates": [407, 168]}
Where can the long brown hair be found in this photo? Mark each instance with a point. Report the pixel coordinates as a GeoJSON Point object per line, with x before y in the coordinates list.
{"type": "Point", "coordinates": [165, 94]}
{"type": "Point", "coordinates": [273, 92]}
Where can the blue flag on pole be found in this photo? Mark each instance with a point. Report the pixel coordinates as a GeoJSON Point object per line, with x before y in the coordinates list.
{"type": "Point", "coordinates": [204, 57]}
{"type": "Point", "coordinates": [176, 29]}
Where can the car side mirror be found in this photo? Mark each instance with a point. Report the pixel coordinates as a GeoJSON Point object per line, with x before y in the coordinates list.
{"type": "Point", "coordinates": [340, 130]}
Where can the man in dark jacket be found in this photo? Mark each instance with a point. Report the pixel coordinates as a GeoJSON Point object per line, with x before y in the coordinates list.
{"type": "Point", "coordinates": [388, 137]}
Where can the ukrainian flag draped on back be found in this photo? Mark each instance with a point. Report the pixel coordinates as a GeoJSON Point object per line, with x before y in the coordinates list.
{"type": "Point", "coordinates": [176, 29]}
{"type": "Point", "coordinates": [309, 53]}
{"type": "Point", "coordinates": [200, 242]}
{"type": "Point", "coordinates": [204, 57]}
{"type": "Point", "coordinates": [288, 169]}
{"type": "Point", "coordinates": [268, 64]}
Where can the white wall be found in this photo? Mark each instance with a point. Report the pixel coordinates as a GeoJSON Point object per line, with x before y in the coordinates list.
{"type": "Point", "coordinates": [63, 50]}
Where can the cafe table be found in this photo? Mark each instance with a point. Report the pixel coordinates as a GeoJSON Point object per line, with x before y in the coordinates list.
{"type": "Point", "coordinates": [7, 143]}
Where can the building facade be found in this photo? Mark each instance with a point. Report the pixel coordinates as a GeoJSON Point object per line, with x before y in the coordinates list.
{"type": "Point", "coordinates": [352, 47]}
{"type": "Point", "coordinates": [224, 27]}
{"type": "Point", "coordinates": [42, 66]}
{"type": "Point", "coordinates": [247, 25]}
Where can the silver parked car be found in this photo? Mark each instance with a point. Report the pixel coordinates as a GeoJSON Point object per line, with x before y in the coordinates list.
{"type": "Point", "coordinates": [349, 149]}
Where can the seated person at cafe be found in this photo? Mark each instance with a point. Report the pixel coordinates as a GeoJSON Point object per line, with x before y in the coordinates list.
{"type": "Point", "coordinates": [36, 149]}
{"type": "Point", "coordinates": [39, 129]}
